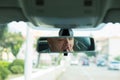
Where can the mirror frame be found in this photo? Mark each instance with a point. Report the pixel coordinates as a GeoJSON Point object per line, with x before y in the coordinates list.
{"type": "Point", "coordinates": [42, 41]}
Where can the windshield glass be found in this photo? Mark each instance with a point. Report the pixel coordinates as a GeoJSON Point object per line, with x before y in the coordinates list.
{"type": "Point", "coordinates": [18, 41]}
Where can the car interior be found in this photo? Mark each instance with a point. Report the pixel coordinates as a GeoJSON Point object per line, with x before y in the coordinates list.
{"type": "Point", "coordinates": [82, 14]}
{"type": "Point", "coordinates": [60, 14]}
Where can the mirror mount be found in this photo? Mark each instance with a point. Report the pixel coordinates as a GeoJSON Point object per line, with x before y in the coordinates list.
{"type": "Point", "coordinates": [66, 32]}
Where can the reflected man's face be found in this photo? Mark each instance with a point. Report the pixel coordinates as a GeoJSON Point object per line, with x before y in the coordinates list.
{"type": "Point", "coordinates": [61, 44]}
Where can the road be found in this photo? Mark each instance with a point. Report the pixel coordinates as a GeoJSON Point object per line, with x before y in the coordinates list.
{"type": "Point", "coordinates": [92, 72]}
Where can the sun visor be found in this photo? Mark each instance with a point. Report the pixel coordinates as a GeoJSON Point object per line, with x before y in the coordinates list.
{"type": "Point", "coordinates": [68, 13]}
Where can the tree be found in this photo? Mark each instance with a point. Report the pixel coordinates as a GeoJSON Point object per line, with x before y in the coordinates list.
{"type": "Point", "coordinates": [3, 29]}
{"type": "Point", "coordinates": [10, 41]}
{"type": "Point", "coordinates": [15, 42]}
{"type": "Point", "coordinates": [117, 58]}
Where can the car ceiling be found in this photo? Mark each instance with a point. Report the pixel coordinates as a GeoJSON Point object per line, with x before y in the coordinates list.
{"type": "Point", "coordinates": [62, 13]}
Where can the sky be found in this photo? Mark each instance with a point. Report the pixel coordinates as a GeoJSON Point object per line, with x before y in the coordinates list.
{"type": "Point", "coordinates": [17, 27]}
{"type": "Point", "coordinates": [108, 30]}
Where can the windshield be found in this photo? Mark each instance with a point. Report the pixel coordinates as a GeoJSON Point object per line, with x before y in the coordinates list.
{"type": "Point", "coordinates": [18, 41]}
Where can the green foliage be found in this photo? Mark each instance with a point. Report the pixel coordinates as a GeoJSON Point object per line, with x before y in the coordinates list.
{"type": "Point", "coordinates": [17, 69]}
{"type": "Point", "coordinates": [57, 59]}
{"type": "Point", "coordinates": [15, 64]}
{"type": "Point", "coordinates": [15, 40]}
{"type": "Point", "coordinates": [5, 64]}
{"type": "Point", "coordinates": [117, 58]}
{"type": "Point", "coordinates": [90, 53]}
{"type": "Point", "coordinates": [10, 40]}
{"type": "Point", "coordinates": [75, 53]}
{"type": "Point", "coordinates": [3, 29]}
{"type": "Point", "coordinates": [3, 73]}
{"type": "Point", "coordinates": [0, 77]}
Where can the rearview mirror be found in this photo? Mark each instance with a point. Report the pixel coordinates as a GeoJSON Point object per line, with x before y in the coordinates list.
{"type": "Point", "coordinates": [64, 44]}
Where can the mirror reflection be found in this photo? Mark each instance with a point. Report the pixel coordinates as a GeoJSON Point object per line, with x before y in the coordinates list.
{"type": "Point", "coordinates": [64, 44]}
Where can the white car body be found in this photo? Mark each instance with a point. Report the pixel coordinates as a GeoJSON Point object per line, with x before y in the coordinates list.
{"type": "Point", "coordinates": [114, 65]}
